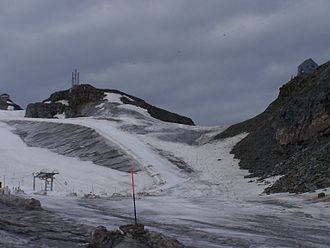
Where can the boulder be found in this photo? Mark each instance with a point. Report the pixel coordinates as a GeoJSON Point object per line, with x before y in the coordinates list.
{"type": "Point", "coordinates": [130, 236]}
{"type": "Point", "coordinates": [33, 204]}
{"type": "Point", "coordinates": [102, 238]}
{"type": "Point", "coordinates": [133, 230]}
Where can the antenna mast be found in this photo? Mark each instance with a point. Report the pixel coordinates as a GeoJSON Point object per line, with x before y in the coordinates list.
{"type": "Point", "coordinates": [75, 78]}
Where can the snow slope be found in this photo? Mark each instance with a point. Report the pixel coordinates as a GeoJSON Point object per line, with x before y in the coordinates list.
{"type": "Point", "coordinates": [212, 172]}
{"type": "Point", "coordinates": [18, 162]}
{"type": "Point", "coordinates": [212, 206]}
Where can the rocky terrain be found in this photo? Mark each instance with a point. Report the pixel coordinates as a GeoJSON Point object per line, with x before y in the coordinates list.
{"type": "Point", "coordinates": [291, 137]}
{"type": "Point", "coordinates": [18, 201]}
{"type": "Point", "coordinates": [82, 100]}
{"type": "Point", "coordinates": [24, 223]}
{"type": "Point", "coordinates": [7, 104]}
{"type": "Point", "coordinates": [130, 236]}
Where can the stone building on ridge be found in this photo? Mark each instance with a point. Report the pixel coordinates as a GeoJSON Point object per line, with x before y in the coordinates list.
{"type": "Point", "coordinates": [307, 67]}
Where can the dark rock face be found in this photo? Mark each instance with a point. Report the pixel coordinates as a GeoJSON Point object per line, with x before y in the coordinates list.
{"type": "Point", "coordinates": [42, 110]}
{"type": "Point", "coordinates": [7, 104]}
{"type": "Point", "coordinates": [291, 137]}
{"type": "Point", "coordinates": [130, 236]}
{"type": "Point", "coordinates": [321, 195]}
{"type": "Point", "coordinates": [75, 101]}
{"type": "Point", "coordinates": [158, 113]}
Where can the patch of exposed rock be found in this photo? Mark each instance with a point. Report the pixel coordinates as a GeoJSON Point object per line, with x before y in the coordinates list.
{"type": "Point", "coordinates": [83, 100]}
{"type": "Point", "coordinates": [18, 201]}
{"type": "Point", "coordinates": [7, 104]}
{"type": "Point", "coordinates": [291, 137]}
{"type": "Point", "coordinates": [130, 236]}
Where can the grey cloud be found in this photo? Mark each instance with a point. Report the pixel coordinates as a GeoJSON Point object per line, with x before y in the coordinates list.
{"type": "Point", "coordinates": [215, 61]}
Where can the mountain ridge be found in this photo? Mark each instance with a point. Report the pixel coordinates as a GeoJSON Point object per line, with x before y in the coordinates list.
{"type": "Point", "coordinates": [81, 99]}
{"type": "Point", "coordinates": [291, 137]}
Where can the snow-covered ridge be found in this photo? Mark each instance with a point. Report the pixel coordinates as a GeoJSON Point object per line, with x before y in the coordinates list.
{"type": "Point", "coordinates": [116, 98]}
{"type": "Point", "coordinates": [113, 98]}
{"type": "Point", "coordinates": [64, 102]}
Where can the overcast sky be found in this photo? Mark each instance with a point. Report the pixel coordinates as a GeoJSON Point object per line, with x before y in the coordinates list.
{"type": "Point", "coordinates": [216, 61]}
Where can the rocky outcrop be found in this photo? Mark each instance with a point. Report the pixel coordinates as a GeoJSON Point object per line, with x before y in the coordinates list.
{"type": "Point", "coordinates": [130, 236]}
{"type": "Point", "coordinates": [18, 201]}
{"type": "Point", "coordinates": [291, 137]}
{"type": "Point", "coordinates": [7, 104]}
{"type": "Point", "coordinates": [81, 100]}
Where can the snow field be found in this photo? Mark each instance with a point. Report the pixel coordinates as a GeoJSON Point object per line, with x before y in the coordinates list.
{"type": "Point", "coordinates": [217, 170]}
{"type": "Point", "coordinates": [163, 173]}
{"type": "Point", "coordinates": [18, 162]}
{"type": "Point", "coordinates": [206, 208]}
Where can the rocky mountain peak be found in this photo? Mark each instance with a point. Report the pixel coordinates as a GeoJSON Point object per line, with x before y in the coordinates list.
{"type": "Point", "coordinates": [86, 100]}
{"type": "Point", "coordinates": [7, 104]}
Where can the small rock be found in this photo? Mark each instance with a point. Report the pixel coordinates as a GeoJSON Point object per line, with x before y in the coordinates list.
{"type": "Point", "coordinates": [134, 230]}
{"type": "Point", "coordinates": [321, 195]}
{"type": "Point", "coordinates": [102, 238]}
{"type": "Point", "coordinates": [33, 204]}
{"type": "Point", "coordinates": [99, 235]}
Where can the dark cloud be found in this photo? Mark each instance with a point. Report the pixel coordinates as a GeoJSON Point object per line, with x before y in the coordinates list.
{"type": "Point", "coordinates": [215, 61]}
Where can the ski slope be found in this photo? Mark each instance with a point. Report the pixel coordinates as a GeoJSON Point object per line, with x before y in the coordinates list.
{"type": "Point", "coordinates": [159, 174]}
{"type": "Point", "coordinates": [213, 206]}
{"type": "Point", "coordinates": [18, 162]}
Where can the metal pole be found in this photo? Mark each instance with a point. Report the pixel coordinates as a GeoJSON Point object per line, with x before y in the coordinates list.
{"type": "Point", "coordinates": [51, 185]}
{"type": "Point", "coordinates": [75, 76]}
{"type": "Point", "coordinates": [34, 182]}
{"type": "Point", "coordinates": [133, 191]}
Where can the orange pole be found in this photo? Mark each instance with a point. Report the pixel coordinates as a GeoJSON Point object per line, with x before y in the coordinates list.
{"type": "Point", "coordinates": [132, 173]}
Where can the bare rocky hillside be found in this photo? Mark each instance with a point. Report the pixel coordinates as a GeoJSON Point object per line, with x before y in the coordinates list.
{"type": "Point", "coordinates": [291, 137]}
